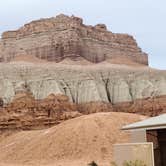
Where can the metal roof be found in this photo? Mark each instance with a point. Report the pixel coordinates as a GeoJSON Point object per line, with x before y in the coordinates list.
{"type": "Point", "coordinates": [158, 122]}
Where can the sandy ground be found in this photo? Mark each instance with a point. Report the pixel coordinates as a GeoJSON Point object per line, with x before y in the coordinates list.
{"type": "Point", "coordinates": [75, 142]}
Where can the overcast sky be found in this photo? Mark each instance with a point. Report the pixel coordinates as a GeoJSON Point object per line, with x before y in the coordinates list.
{"type": "Point", "coordinates": [145, 19]}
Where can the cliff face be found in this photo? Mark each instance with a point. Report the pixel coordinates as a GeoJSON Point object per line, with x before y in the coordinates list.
{"type": "Point", "coordinates": [108, 83]}
{"type": "Point", "coordinates": [56, 69]}
{"type": "Point", "coordinates": [61, 37]}
{"type": "Point", "coordinates": [60, 51]}
{"type": "Point", "coordinates": [27, 113]}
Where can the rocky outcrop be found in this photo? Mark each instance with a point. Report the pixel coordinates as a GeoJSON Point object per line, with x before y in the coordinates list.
{"type": "Point", "coordinates": [151, 106]}
{"type": "Point", "coordinates": [94, 107]}
{"type": "Point", "coordinates": [27, 113]}
{"type": "Point", "coordinates": [25, 86]}
{"type": "Point", "coordinates": [67, 40]}
{"type": "Point", "coordinates": [106, 83]}
{"type": "Point", "coordinates": [60, 37]}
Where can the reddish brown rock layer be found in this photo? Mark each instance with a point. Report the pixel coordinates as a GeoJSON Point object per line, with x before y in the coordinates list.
{"type": "Point", "coordinates": [147, 106]}
{"type": "Point", "coordinates": [61, 37]}
{"type": "Point", "coordinates": [26, 113]}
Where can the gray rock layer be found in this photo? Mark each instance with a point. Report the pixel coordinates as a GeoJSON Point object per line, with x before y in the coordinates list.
{"type": "Point", "coordinates": [110, 83]}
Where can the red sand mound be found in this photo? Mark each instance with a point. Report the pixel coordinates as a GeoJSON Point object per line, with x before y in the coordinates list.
{"type": "Point", "coordinates": [74, 142]}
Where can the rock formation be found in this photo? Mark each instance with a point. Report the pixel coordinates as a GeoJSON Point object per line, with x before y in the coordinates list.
{"type": "Point", "coordinates": [75, 46]}
{"type": "Point", "coordinates": [56, 69]}
{"type": "Point", "coordinates": [102, 82]}
{"type": "Point", "coordinates": [61, 37]}
{"type": "Point", "coordinates": [26, 113]}
{"type": "Point", "coordinates": [55, 55]}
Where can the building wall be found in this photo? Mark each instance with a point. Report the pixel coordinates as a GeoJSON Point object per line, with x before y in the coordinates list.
{"type": "Point", "coordinates": [142, 152]}
{"type": "Point", "coordinates": [138, 136]}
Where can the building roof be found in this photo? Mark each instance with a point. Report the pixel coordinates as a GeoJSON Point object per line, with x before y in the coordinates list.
{"type": "Point", "coordinates": [158, 122]}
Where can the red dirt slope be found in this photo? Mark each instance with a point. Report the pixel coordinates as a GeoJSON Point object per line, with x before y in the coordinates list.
{"type": "Point", "coordinates": [74, 142]}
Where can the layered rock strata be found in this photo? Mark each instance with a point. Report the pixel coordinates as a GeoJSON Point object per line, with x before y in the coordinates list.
{"type": "Point", "coordinates": [26, 113]}
{"type": "Point", "coordinates": [107, 83]}
{"type": "Point", "coordinates": [55, 57]}
{"type": "Point", "coordinates": [60, 37]}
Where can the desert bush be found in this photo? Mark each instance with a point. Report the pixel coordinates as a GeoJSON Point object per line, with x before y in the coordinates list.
{"type": "Point", "coordinates": [131, 163]}
{"type": "Point", "coordinates": [134, 163]}
{"type": "Point", "coordinates": [92, 164]}
{"type": "Point", "coordinates": [113, 164]}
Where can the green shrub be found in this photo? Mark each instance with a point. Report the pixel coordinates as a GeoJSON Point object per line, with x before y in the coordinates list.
{"type": "Point", "coordinates": [134, 163]}
{"type": "Point", "coordinates": [131, 163]}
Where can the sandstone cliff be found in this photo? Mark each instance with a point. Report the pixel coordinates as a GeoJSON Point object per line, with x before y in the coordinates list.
{"type": "Point", "coordinates": [61, 37]}
{"type": "Point", "coordinates": [26, 113]}
{"type": "Point", "coordinates": [55, 55]}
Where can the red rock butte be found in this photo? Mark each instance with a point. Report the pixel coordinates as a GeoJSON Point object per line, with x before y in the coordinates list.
{"type": "Point", "coordinates": [61, 37]}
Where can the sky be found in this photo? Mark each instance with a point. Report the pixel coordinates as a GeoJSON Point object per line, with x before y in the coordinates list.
{"type": "Point", "coordinates": [144, 19]}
